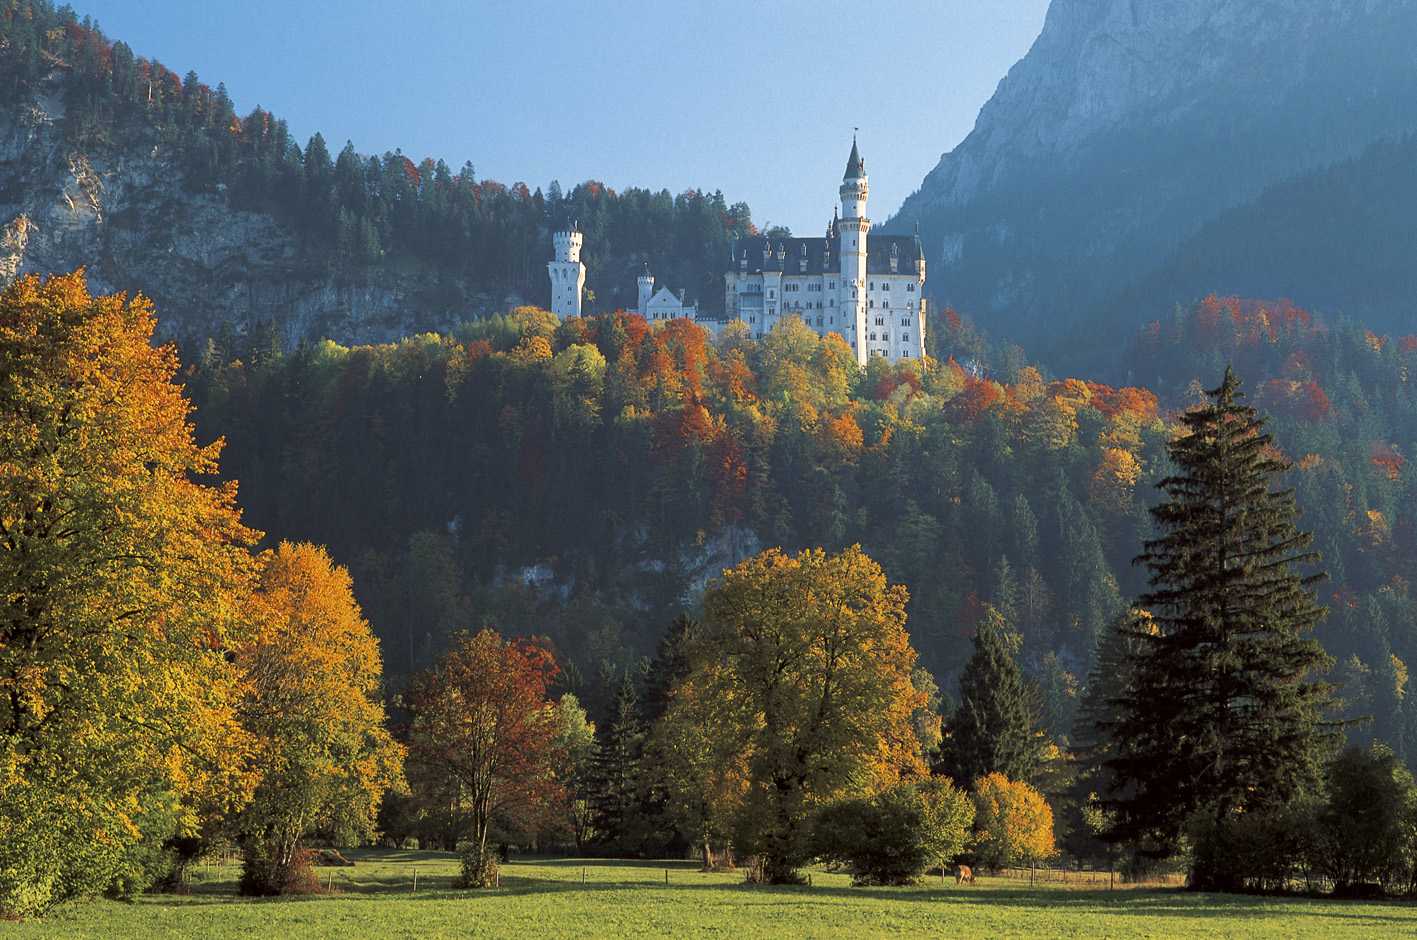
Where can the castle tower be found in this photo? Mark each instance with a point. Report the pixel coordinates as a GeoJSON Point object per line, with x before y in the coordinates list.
{"type": "Point", "coordinates": [645, 283]}
{"type": "Point", "coordinates": [567, 273]}
{"type": "Point", "coordinates": [853, 228]}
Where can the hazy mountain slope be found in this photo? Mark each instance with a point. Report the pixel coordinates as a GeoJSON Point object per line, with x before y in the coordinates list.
{"type": "Point", "coordinates": [1341, 238]}
{"type": "Point", "coordinates": [1131, 123]}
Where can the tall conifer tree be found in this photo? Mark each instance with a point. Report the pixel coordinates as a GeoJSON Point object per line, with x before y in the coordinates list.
{"type": "Point", "coordinates": [1222, 716]}
{"type": "Point", "coordinates": [993, 730]}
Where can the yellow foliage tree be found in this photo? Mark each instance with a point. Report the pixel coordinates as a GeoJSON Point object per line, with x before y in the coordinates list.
{"type": "Point", "coordinates": [809, 659]}
{"type": "Point", "coordinates": [313, 677]}
{"type": "Point", "coordinates": [121, 575]}
{"type": "Point", "coordinates": [1013, 823]}
{"type": "Point", "coordinates": [699, 767]}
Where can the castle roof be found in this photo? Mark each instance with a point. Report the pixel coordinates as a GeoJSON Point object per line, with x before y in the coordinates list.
{"type": "Point", "coordinates": [819, 261]}
{"type": "Point", "coordinates": [664, 297]}
{"type": "Point", "coordinates": [855, 166]}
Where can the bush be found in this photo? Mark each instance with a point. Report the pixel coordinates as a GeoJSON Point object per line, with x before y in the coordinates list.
{"type": "Point", "coordinates": [479, 867]}
{"type": "Point", "coordinates": [263, 876]}
{"type": "Point", "coordinates": [880, 841]}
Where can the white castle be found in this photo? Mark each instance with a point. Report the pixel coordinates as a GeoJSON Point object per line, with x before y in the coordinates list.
{"type": "Point", "coordinates": [871, 294]}
{"type": "Point", "coordinates": [567, 273]}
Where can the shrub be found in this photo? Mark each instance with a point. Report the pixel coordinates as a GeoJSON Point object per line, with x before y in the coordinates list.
{"type": "Point", "coordinates": [479, 867]}
{"type": "Point", "coordinates": [881, 841]}
{"type": "Point", "coordinates": [262, 875]}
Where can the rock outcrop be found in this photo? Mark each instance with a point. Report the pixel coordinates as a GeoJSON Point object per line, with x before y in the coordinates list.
{"type": "Point", "coordinates": [122, 212]}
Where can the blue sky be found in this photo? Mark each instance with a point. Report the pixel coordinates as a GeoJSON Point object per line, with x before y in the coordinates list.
{"type": "Point", "coordinates": [755, 98]}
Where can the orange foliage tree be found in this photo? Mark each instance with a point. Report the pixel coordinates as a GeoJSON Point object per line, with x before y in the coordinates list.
{"type": "Point", "coordinates": [484, 727]}
{"type": "Point", "coordinates": [121, 578]}
{"type": "Point", "coordinates": [1013, 823]}
{"type": "Point", "coordinates": [313, 681]}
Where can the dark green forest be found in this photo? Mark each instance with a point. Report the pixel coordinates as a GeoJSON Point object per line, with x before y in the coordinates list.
{"type": "Point", "coordinates": [355, 214]}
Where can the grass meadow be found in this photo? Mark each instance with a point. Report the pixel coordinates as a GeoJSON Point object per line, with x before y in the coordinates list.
{"type": "Point", "coordinates": [596, 898]}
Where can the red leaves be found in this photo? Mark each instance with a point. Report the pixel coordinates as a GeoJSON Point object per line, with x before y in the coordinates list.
{"type": "Point", "coordinates": [1387, 459]}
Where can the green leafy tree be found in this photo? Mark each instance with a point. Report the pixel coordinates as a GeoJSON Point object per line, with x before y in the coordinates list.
{"type": "Point", "coordinates": [1222, 717]}
{"type": "Point", "coordinates": [947, 822]}
{"type": "Point", "coordinates": [1367, 832]}
{"type": "Point", "coordinates": [575, 753]}
{"type": "Point", "coordinates": [994, 728]}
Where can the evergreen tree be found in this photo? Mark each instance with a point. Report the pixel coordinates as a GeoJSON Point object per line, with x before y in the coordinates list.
{"type": "Point", "coordinates": [993, 730]}
{"type": "Point", "coordinates": [669, 666]}
{"type": "Point", "coordinates": [1221, 718]}
{"type": "Point", "coordinates": [615, 771]}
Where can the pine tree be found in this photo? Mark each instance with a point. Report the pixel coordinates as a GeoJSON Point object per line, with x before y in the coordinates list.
{"type": "Point", "coordinates": [993, 730]}
{"type": "Point", "coordinates": [668, 668]}
{"type": "Point", "coordinates": [615, 770]}
{"type": "Point", "coordinates": [1221, 717]}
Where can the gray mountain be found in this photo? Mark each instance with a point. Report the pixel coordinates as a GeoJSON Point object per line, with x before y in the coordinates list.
{"type": "Point", "coordinates": [1130, 125]}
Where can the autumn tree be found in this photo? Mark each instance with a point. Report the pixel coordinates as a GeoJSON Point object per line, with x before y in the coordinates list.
{"type": "Point", "coordinates": [700, 769]}
{"type": "Point", "coordinates": [122, 567]}
{"type": "Point", "coordinates": [481, 718]}
{"type": "Point", "coordinates": [1223, 716]}
{"type": "Point", "coordinates": [1013, 823]}
{"type": "Point", "coordinates": [312, 703]}
{"type": "Point", "coordinates": [811, 653]}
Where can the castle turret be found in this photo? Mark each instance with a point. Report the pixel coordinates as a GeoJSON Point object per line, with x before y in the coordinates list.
{"type": "Point", "coordinates": [853, 228]}
{"type": "Point", "coordinates": [567, 273]}
{"type": "Point", "coordinates": [645, 283]}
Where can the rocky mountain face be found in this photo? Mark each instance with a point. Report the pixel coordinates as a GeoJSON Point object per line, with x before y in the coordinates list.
{"type": "Point", "coordinates": [1132, 123]}
{"type": "Point", "coordinates": [123, 212]}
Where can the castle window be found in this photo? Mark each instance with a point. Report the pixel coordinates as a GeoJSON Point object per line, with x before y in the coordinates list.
{"type": "Point", "coordinates": [910, 288]}
{"type": "Point", "coordinates": [880, 321]}
{"type": "Point", "coordinates": [873, 285]}
{"type": "Point", "coordinates": [905, 355]}
{"type": "Point", "coordinates": [885, 286]}
{"type": "Point", "coordinates": [871, 303]}
{"type": "Point", "coordinates": [905, 337]}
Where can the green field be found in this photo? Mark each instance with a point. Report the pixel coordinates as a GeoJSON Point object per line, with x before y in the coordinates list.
{"type": "Point", "coordinates": [547, 898]}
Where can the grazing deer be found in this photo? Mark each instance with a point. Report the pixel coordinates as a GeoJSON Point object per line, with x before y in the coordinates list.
{"type": "Point", "coordinates": [964, 875]}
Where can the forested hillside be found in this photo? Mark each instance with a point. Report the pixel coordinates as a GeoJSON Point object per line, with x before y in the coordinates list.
{"type": "Point", "coordinates": [1338, 238]}
{"type": "Point", "coordinates": [583, 479]}
{"type": "Point", "coordinates": [153, 181]}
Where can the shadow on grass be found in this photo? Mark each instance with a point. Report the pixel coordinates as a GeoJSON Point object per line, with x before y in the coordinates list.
{"type": "Point", "coordinates": [354, 884]}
